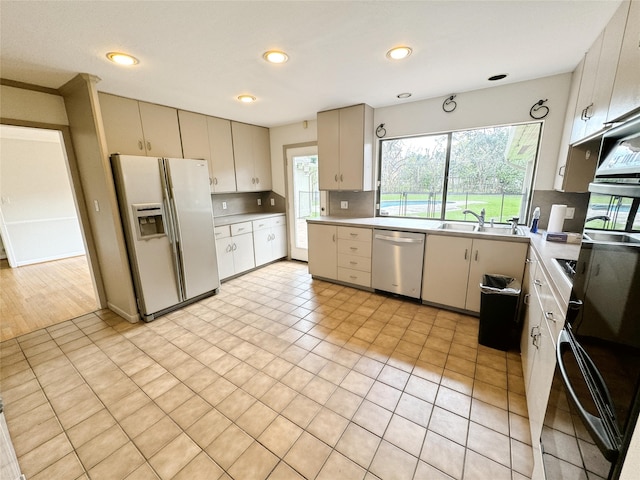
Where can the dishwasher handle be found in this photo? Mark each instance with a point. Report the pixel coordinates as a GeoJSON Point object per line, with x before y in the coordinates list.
{"type": "Point", "coordinates": [398, 239]}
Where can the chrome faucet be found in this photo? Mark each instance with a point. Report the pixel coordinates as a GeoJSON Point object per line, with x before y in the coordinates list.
{"type": "Point", "coordinates": [514, 224]}
{"type": "Point", "coordinates": [604, 218]}
{"type": "Point", "coordinates": [479, 217]}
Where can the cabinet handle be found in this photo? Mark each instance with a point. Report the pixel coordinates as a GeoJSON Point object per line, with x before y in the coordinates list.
{"type": "Point", "coordinates": [341, 179]}
{"type": "Point", "coordinates": [353, 277]}
{"type": "Point", "coordinates": [140, 145]}
{"type": "Point", "coordinates": [353, 263]}
{"type": "Point", "coordinates": [148, 145]}
{"type": "Point", "coordinates": [561, 170]}
{"type": "Point", "coordinates": [253, 180]}
{"type": "Point", "coordinates": [528, 260]}
{"type": "Point", "coordinates": [257, 180]}
{"type": "Point", "coordinates": [537, 282]}
{"type": "Point", "coordinates": [215, 180]}
{"type": "Point", "coordinates": [526, 299]}
{"type": "Point", "coordinates": [333, 237]}
{"type": "Point", "coordinates": [210, 181]}
{"type": "Point", "coordinates": [353, 234]}
{"type": "Point", "coordinates": [597, 270]}
{"type": "Point", "coordinates": [240, 229]}
{"type": "Point", "coordinates": [586, 112]}
{"type": "Point", "coordinates": [336, 177]}
{"type": "Point", "coordinates": [476, 255]}
{"type": "Point", "coordinates": [466, 253]}
{"type": "Point", "coordinates": [229, 248]}
{"type": "Point", "coordinates": [235, 247]}
{"type": "Point", "coordinates": [354, 248]}
{"type": "Point", "coordinates": [549, 316]}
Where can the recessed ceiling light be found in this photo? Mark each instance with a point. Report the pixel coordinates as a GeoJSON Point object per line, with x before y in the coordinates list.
{"type": "Point", "coordinates": [497, 77]}
{"type": "Point", "coordinates": [275, 56]}
{"type": "Point", "coordinates": [403, 95]}
{"type": "Point", "coordinates": [122, 58]}
{"type": "Point", "coordinates": [398, 53]}
{"type": "Point", "coordinates": [247, 98]}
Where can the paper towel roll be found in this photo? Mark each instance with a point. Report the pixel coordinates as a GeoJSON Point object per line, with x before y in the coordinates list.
{"type": "Point", "coordinates": [556, 219]}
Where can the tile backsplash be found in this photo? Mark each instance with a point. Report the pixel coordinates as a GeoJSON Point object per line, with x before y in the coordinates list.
{"type": "Point", "coordinates": [359, 204]}
{"type": "Point", "coordinates": [545, 198]}
{"type": "Point", "coordinates": [238, 203]}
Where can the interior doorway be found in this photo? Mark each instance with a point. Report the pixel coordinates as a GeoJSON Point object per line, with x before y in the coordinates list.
{"type": "Point", "coordinates": [46, 277]}
{"type": "Point", "coordinates": [303, 196]}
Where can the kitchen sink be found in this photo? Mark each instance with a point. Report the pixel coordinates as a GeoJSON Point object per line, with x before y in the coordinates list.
{"type": "Point", "coordinates": [470, 227]}
{"type": "Point", "coordinates": [611, 237]}
{"type": "Point", "coordinates": [458, 227]}
{"type": "Point", "coordinates": [500, 230]}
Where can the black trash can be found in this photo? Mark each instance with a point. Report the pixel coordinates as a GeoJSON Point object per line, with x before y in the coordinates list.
{"type": "Point", "coordinates": [499, 297]}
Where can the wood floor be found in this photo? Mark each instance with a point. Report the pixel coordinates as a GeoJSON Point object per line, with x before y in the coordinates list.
{"type": "Point", "coordinates": [43, 294]}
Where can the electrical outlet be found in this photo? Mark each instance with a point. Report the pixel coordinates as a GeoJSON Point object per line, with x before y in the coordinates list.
{"type": "Point", "coordinates": [344, 204]}
{"type": "Point", "coordinates": [224, 205]}
{"type": "Point", "coordinates": [273, 202]}
{"type": "Point", "coordinates": [259, 201]}
{"type": "Point", "coordinates": [571, 211]}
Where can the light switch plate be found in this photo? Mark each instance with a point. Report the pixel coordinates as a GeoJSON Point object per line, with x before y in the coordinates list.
{"type": "Point", "coordinates": [344, 204]}
{"type": "Point", "coordinates": [224, 205]}
{"type": "Point", "coordinates": [273, 202]}
{"type": "Point", "coordinates": [571, 211]}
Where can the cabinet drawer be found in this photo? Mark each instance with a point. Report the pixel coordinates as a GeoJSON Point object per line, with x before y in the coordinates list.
{"type": "Point", "coordinates": [354, 276]}
{"type": "Point", "coordinates": [354, 262]}
{"type": "Point", "coordinates": [240, 228]}
{"type": "Point", "coordinates": [222, 232]}
{"type": "Point", "coordinates": [353, 233]}
{"type": "Point", "coordinates": [354, 247]}
{"type": "Point", "coordinates": [269, 222]}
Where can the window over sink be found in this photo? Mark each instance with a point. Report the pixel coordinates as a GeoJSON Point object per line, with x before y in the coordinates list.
{"type": "Point", "coordinates": [439, 176]}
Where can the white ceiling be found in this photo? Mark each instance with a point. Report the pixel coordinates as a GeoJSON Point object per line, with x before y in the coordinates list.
{"type": "Point", "coordinates": [200, 55]}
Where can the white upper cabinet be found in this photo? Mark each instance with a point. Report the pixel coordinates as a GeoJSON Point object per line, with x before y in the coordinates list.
{"type": "Point", "coordinates": [251, 148]}
{"type": "Point", "coordinates": [140, 128]}
{"type": "Point", "coordinates": [222, 164]}
{"type": "Point", "coordinates": [598, 75]}
{"type": "Point", "coordinates": [345, 148]}
{"type": "Point", "coordinates": [626, 88]}
{"type": "Point", "coordinates": [209, 138]}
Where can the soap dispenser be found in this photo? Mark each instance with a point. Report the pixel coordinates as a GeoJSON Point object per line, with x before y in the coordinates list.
{"type": "Point", "coordinates": [535, 219]}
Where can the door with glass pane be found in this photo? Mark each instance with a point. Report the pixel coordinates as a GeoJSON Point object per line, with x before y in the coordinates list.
{"type": "Point", "coordinates": [303, 196]}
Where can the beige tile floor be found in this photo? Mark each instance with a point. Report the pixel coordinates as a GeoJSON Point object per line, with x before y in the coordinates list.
{"type": "Point", "coordinates": [279, 377]}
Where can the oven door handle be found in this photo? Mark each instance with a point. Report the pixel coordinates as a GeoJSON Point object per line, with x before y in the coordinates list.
{"type": "Point", "coordinates": [595, 425]}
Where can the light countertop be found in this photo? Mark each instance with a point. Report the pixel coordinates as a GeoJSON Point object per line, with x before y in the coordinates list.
{"type": "Point", "coordinates": [546, 251]}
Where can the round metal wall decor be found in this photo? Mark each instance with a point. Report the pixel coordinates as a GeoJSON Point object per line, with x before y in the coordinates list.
{"type": "Point", "coordinates": [449, 105]}
{"type": "Point", "coordinates": [538, 111]}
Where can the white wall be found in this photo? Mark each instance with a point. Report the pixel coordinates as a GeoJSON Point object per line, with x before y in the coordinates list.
{"type": "Point", "coordinates": [27, 105]}
{"type": "Point", "coordinates": [491, 106]}
{"type": "Point", "coordinates": [39, 218]}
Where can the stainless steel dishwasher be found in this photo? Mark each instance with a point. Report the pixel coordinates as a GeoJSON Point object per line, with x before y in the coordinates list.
{"type": "Point", "coordinates": [397, 262]}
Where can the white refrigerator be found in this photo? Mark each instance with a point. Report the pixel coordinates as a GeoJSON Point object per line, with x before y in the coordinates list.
{"type": "Point", "coordinates": [165, 205]}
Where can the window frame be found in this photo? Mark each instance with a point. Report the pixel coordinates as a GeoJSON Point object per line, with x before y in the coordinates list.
{"type": "Point", "coordinates": [445, 180]}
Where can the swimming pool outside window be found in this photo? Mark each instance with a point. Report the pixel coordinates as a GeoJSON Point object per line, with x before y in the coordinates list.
{"type": "Point", "coordinates": [438, 176]}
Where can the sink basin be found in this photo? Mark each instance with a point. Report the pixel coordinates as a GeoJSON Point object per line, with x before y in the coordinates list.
{"type": "Point", "coordinates": [499, 230]}
{"type": "Point", "coordinates": [610, 237]}
{"type": "Point", "coordinates": [458, 227]}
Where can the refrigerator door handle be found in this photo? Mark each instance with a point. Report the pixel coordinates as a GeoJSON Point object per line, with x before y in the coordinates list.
{"type": "Point", "coordinates": [598, 427]}
{"type": "Point", "coordinates": [173, 227]}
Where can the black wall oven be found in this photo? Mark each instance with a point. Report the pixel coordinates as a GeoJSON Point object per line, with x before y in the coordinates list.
{"type": "Point", "coordinates": [595, 397]}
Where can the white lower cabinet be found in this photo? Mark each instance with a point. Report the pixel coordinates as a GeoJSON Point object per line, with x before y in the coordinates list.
{"type": "Point", "coordinates": [454, 266]}
{"type": "Point", "coordinates": [234, 247]}
{"type": "Point", "coordinates": [269, 239]}
{"type": "Point", "coordinates": [354, 255]}
{"type": "Point", "coordinates": [544, 318]}
{"type": "Point", "coordinates": [323, 250]}
{"type": "Point", "coordinates": [340, 253]}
